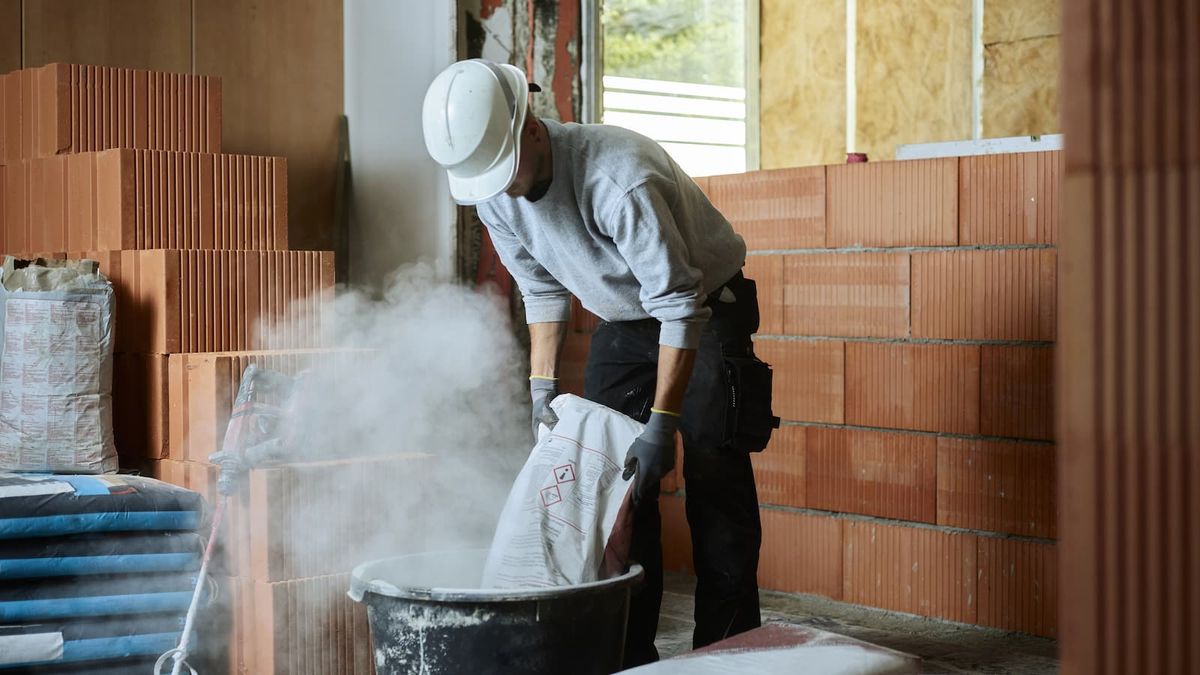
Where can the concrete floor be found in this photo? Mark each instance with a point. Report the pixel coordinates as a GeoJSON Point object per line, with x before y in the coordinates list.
{"type": "Point", "coordinates": [946, 647]}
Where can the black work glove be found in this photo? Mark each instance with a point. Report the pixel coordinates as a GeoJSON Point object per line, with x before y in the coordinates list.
{"type": "Point", "coordinates": [652, 455]}
{"type": "Point", "coordinates": [543, 390]}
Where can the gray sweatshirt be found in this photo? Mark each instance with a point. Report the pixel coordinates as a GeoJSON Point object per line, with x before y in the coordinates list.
{"type": "Point", "coordinates": [623, 228]}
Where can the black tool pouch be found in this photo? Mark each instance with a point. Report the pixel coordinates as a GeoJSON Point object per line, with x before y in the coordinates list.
{"type": "Point", "coordinates": [749, 420]}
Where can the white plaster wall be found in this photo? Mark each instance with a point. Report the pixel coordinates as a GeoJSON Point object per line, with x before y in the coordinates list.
{"type": "Point", "coordinates": [401, 210]}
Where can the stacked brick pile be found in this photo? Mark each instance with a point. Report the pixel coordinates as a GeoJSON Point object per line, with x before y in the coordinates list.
{"type": "Point", "coordinates": [125, 167]}
{"type": "Point", "coordinates": [908, 309]}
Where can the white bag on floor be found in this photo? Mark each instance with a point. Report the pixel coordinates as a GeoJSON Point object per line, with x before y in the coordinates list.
{"type": "Point", "coordinates": [56, 346]}
{"type": "Point", "coordinates": [568, 517]}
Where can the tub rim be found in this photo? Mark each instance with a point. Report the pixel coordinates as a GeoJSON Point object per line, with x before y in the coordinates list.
{"type": "Point", "coordinates": [361, 585]}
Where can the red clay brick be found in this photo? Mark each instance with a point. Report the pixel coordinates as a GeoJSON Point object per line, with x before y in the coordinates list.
{"type": "Point", "coordinates": [16, 188]}
{"type": "Point", "coordinates": [196, 477]}
{"type": "Point", "coordinates": [873, 473]}
{"type": "Point", "coordinates": [910, 569]}
{"type": "Point", "coordinates": [846, 294]}
{"type": "Point", "coordinates": [279, 510]}
{"type": "Point", "coordinates": [779, 471]}
{"type": "Point", "coordinates": [53, 111]}
{"type": "Point", "coordinates": [307, 627]}
{"type": "Point", "coordinates": [1010, 198]}
{"type": "Point", "coordinates": [161, 299]}
{"type": "Point", "coordinates": [29, 118]}
{"type": "Point", "coordinates": [809, 384]}
{"type": "Point", "coordinates": [1017, 392]}
{"type": "Point", "coordinates": [767, 273]}
{"type": "Point", "coordinates": [82, 230]}
{"type": "Point", "coordinates": [997, 486]}
{"type": "Point", "coordinates": [215, 115]}
{"type": "Point", "coordinates": [801, 553]}
{"type": "Point", "coordinates": [909, 203]}
{"type": "Point", "coordinates": [12, 117]}
{"type": "Point", "coordinates": [913, 386]}
{"type": "Point", "coordinates": [141, 109]}
{"type": "Point", "coordinates": [776, 209]}
{"type": "Point", "coordinates": [1018, 585]}
{"type": "Point", "coordinates": [201, 389]}
{"type": "Point", "coordinates": [53, 230]}
{"type": "Point", "coordinates": [35, 206]}
{"type": "Point", "coordinates": [3, 200]}
{"type": "Point", "coordinates": [985, 295]}
{"type": "Point", "coordinates": [151, 199]}
{"type": "Point", "coordinates": [140, 406]}
{"type": "Point", "coordinates": [68, 109]}
{"type": "Point", "coordinates": [104, 94]}
{"type": "Point", "coordinates": [3, 118]}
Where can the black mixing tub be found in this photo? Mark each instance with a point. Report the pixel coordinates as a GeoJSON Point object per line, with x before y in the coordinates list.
{"type": "Point", "coordinates": [426, 616]}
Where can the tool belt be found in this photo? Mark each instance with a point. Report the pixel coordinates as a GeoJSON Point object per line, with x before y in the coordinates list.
{"type": "Point", "coordinates": [749, 420]}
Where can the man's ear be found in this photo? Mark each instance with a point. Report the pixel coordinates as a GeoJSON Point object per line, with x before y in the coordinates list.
{"type": "Point", "coordinates": [532, 128]}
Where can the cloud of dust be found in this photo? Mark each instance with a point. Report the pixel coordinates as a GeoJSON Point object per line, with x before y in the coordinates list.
{"type": "Point", "coordinates": [443, 381]}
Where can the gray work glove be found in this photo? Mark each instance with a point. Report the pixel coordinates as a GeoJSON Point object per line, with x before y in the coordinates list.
{"type": "Point", "coordinates": [543, 390]}
{"type": "Point", "coordinates": [652, 455]}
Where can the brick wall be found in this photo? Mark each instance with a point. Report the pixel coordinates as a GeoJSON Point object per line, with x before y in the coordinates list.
{"type": "Point", "coordinates": [909, 313]}
{"type": "Point", "coordinates": [124, 167]}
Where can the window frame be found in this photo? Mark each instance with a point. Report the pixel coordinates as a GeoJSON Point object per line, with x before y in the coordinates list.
{"type": "Point", "coordinates": [592, 72]}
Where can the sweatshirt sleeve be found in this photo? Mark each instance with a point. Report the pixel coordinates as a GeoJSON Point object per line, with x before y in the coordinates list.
{"type": "Point", "coordinates": [644, 230]}
{"type": "Point", "coordinates": [546, 300]}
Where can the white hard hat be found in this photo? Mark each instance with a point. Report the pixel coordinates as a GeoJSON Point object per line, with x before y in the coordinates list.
{"type": "Point", "coordinates": [472, 118]}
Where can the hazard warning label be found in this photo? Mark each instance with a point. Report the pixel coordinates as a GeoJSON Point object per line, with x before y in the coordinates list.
{"type": "Point", "coordinates": [564, 474]}
{"type": "Point", "coordinates": [551, 496]}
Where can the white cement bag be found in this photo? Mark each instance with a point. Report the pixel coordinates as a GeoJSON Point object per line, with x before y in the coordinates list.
{"type": "Point", "coordinates": [568, 517]}
{"type": "Point", "coordinates": [56, 323]}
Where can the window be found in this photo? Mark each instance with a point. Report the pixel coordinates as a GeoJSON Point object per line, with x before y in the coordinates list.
{"type": "Point", "coordinates": [677, 71]}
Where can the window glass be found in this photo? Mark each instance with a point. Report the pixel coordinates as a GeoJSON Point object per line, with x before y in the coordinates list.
{"type": "Point", "coordinates": [675, 70]}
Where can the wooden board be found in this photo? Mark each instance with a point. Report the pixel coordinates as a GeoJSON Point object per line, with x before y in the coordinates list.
{"type": "Point", "coordinates": [803, 83]}
{"type": "Point", "coordinates": [281, 66]}
{"type": "Point", "coordinates": [1012, 20]}
{"type": "Point", "coordinates": [151, 34]}
{"type": "Point", "coordinates": [1020, 88]}
{"type": "Point", "coordinates": [10, 35]}
{"type": "Point", "coordinates": [913, 66]}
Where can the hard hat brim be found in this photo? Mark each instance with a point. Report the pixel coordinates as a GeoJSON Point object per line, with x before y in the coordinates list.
{"type": "Point", "coordinates": [474, 189]}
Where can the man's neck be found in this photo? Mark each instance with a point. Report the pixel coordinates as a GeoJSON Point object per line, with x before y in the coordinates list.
{"type": "Point", "coordinates": [545, 169]}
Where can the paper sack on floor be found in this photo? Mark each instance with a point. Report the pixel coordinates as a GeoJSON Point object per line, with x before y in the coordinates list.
{"type": "Point", "coordinates": [568, 517]}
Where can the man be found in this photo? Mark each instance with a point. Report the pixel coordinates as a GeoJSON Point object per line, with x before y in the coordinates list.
{"type": "Point", "coordinates": [605, 214]}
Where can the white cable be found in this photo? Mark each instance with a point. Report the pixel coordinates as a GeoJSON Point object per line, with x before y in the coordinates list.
{"type": "Point", "coordinates": [180, 652]}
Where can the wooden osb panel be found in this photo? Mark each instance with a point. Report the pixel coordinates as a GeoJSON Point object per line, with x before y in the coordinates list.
{"type": "Point", "coordinates": [1020, 88]}
{"type": "Point", "coordinates": [148, 34]}
{"type": "Point", "coordinates": [1011, 20]}
{"type": "Point", "coordinates": [281, 65]}
{"type": "Point", "coordinates": [10, 35]}
{"type": "Point", "coordinates": [802, 83]}
{"type": "Point", "coordinates": [913, 73]}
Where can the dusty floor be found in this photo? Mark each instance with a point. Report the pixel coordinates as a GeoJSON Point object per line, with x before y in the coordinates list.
{"type": "Point", "coordinates": [946, 647]}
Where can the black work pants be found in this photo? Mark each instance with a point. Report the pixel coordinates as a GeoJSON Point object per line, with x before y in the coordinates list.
{"type": "Point", "coordinates": [722, 503]}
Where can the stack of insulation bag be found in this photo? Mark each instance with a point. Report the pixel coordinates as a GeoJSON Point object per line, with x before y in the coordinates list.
{"type": "Point", "coordinates": [97, 569]}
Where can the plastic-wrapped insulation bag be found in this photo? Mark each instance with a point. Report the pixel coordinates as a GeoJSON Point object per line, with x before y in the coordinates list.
{"type": "Point", "coordinates": [56, 323]}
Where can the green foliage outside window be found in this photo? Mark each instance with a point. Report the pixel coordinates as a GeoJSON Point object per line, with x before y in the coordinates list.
{"type": "Point", "coordinates": [698, 41]}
